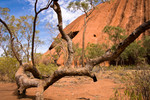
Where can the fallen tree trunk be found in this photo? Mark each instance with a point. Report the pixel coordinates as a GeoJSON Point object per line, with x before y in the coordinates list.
{"type": "Point", "coordinates": [24, 82]}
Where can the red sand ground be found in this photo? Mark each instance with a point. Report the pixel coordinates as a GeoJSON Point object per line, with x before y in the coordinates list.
{"type": "Point", "coordinates": [68, 88]}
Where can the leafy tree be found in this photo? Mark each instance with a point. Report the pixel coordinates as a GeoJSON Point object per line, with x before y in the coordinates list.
{"type": "Point", "coordinates": [22, 34]}
{"type": "Point", "coordinates": [8, 68]}
{"type": "Point", "coordinates": [4, 38]}
{"type": "Point", "coordinates": [116, 35]}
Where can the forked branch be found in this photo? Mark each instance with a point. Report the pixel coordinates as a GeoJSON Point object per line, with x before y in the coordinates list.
{"type": "Point", "coordinates": [34, 26]}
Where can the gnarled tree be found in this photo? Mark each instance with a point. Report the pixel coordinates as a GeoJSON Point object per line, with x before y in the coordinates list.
{"type": "Point", "coordinates": [42, 82]}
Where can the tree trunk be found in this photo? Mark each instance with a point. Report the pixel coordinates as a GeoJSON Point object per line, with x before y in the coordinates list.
{"type": "Point", "coordinates": [83, 42]}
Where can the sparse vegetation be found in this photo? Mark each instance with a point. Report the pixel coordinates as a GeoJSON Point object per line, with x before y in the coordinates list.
{"type": "Point", "coordinates": [136, 84]}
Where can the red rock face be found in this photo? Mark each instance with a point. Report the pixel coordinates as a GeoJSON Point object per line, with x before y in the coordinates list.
{"type": "Point", "coordinates": [127, 14]}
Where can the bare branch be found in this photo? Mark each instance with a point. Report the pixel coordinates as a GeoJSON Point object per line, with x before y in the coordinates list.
{"type": "Point", "coordinates": [34, 27]}
{"type": "Point", "coordinates": [35, 6]}
{"type": "Point", "coordinates": [20, 44]}
{"type": "Point", "coordinates": [71, 35]}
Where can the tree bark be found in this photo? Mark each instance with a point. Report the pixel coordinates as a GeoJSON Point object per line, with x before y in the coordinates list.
{"type": "Point", "coordinates": [57, 9]}
{"type": "Point", "coordinates": [83, 41]}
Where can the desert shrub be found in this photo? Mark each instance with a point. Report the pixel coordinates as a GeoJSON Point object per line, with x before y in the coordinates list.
{"type": "Point", "coordinates": [94, 50]}
{"type": "Point", "coordinates": [37, 57]}
{"type": "Point", "coordinates": [47, 69]}
{"type": "Point", "coordinates": [138, 85]}
{"type": "Point", "coordinates": [77, 53]}
{"type": "Point", "coordinates": [8, 68]}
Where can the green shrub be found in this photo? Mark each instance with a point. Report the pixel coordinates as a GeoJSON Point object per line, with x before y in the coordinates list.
{"type": "Point", "coordinates": [47, 69]}
{"type": "Point", "coordinates": [146, 44]}
{"type": "Point", "coordinates": [134, 53]}
{"type": "Point", "coordinates": [77, 53]}
{"type": "Point", "coordinates": [94, 50]}
{"type": "Point", "coordinates": [8, 68]}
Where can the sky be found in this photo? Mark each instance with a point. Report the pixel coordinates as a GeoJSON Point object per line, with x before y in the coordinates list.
{"type": "Point", "coordinates": [26, 7]}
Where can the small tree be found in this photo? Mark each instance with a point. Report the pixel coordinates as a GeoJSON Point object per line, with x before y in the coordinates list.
{"type": "Point", "coordinates": [116, 35]}
{"type": "Point", "coordinates": [87, 7]}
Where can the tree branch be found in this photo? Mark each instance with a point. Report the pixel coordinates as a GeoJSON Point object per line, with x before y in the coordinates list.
{"type": "Point", "coordinates": [65, 71]}
{"type": "Point", "coordinates": [34, 27]}
{"type": "Point", "coordinates": [37, 74]}
{"type": "Point", "coordinates": [57, 9]}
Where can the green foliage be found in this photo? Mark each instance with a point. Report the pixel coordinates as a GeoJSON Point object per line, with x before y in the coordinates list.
{"type": "Point", "coordinates": [8, 68]}
{"type": "Point", "coordinates": [21, 29]}
{"type": "Point", "coordinates": [37, 57]}
{"type": "Point", "coordinates": [58, 49]}
{"type": "Point", "coordinates": [4, 13]}
{"type": "Point", "coordinates": [84, 6]}
{"type": "Point", "coordinates": [135, 53]}
{"type": "Point", "coordinates": [116, 34]}
{"type": "Point", "coordinates": [77, 53]}
{"type": "Point", "coordinates": [94, 50]}
{"type": "Point", "coordinates": [47, 69]}
{"type": "Point", "coordinates": [77, 50]}
{"type": "Point", "coordinates": [146, 44]}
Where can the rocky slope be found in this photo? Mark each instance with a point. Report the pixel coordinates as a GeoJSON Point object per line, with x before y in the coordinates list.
{"type": "Point", "coordinates": [127, 14]}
